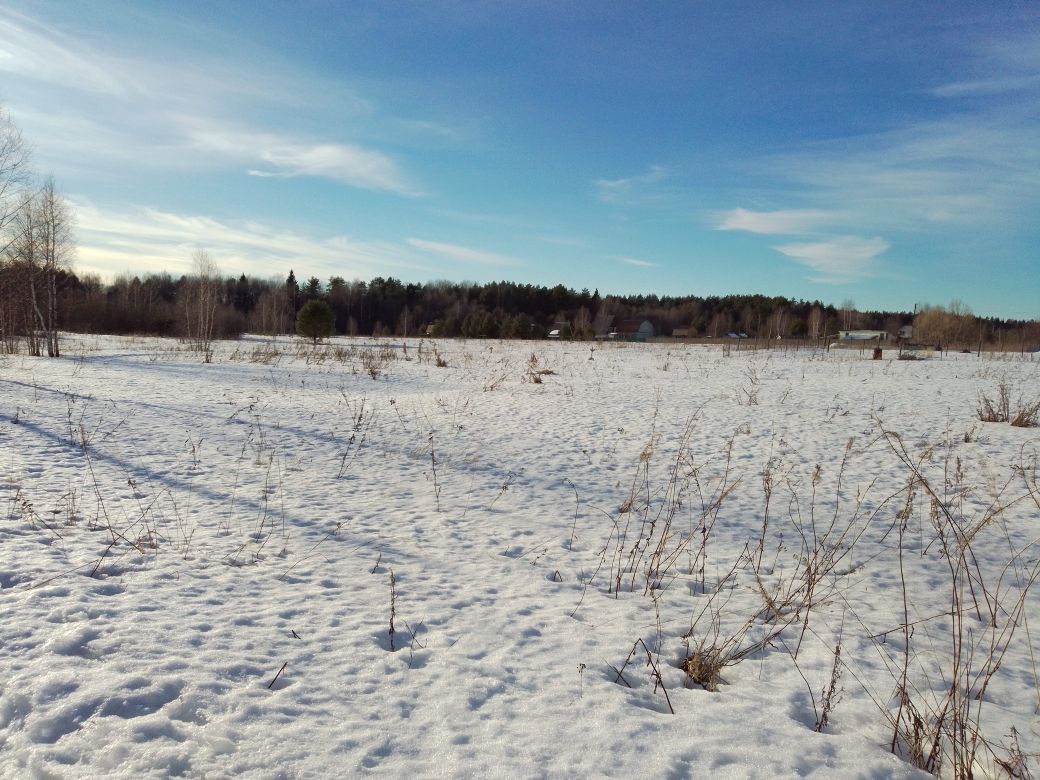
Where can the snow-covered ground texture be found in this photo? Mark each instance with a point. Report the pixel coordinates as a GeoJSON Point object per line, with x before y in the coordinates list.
{"type": "Point", "coordinates": [610, 560]}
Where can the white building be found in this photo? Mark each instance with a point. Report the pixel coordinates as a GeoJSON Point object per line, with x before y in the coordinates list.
{"type": "Point", "coordinates": [863, 335]}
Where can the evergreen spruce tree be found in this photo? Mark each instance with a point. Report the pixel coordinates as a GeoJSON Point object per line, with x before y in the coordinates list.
{"type": "Point", "coordinates": [315, 321]}
{"type": "Point", "coordinates": [292, 291]}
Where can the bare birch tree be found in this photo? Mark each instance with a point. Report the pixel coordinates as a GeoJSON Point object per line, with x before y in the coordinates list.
{"type": "Point", "coordinates": [271, 314]}
{"type": "Point", "coordinates": [200, 298]}
{"type": "Point", "coordinates": [815, 324]}
{"type": "Point", "coordinates": [40, 247]}
{"type": "Point", "coordinates": [26, 258]}
{"type": "Point", "coordinates": [848, 314]}
{"type": "Point", "coordinates": [56, 249]}
{"type": "Point", "coordinates": [15, 173]}
{"type": "Point", "coordinates": [14, 179]}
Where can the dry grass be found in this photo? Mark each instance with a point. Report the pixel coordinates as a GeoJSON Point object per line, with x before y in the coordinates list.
{"type": "Point", "coordinates": [942, 730]}
{"type": "Point", "coordinates": [1027, 415]}
{"type": "Point", "coordinates": [704, 667]}
{"type": "Point", "coordinates": [996, 409]}
{"type": "Point", "coordinates": [1024, 414]}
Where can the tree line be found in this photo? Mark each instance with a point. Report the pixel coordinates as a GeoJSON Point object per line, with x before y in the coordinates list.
{"type": "Point", "coordinates": [203, 305]}
{"type": "Point", "coordinates": [41, 295]}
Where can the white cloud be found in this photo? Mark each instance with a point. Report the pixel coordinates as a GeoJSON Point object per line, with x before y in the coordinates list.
{"type": "Point", "coordinates": [347, 163]}
{"type": "Point", "coordinates": [954, 171]}
{"type": "Point", "coordinates": [637, 262]}
{"type": "Point", "coordinates": [616, 190]}
{"type": "Point", "coordinates": [85, 107]}
{"type": "Point", "coordinates": [835, 260]}
{"type": "Point", "coordinates": [150, 240]}
{"type": "Point", "coordinates": [989, 86]}
{"type": "Point", "coordinates": [978, 164]}
{"type": "Point", "coordinates": [839, 260]}
{"type": "Point", "coordinates": [429, 129]}
{"type": "Point", "coordinates": [460, 254]}
{"type": "Point", "coordinates": [32, 50]}
{"type": "Point", "coordinates": [1013, 56]}
{"type": "Point", "coordinates": [789, 222]}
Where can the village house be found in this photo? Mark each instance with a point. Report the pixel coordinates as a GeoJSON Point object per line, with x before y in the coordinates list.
{"type": "Point", "coordinates": [634, 329]}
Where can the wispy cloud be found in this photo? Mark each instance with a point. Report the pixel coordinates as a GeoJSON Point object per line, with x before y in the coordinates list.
{"type": "Point", "coordinates": [438, 130]}
{"type": "Point", "coordinates": [972, 168]}
{"type": "Point", "coordinates": [564, 241]}
{"type": "Point", "coordinates": [95, 106]}
{"type": "Point", "coordinates": [833, 259]}
{"type": "Point", "coordinates": [975, 162]}
{"type": "Point", "coordinates": [960, 170]}
{"type": "Point", "coordinates": [637, 262]}
{"type": "Point", "coordinates": [789, 222]}
{"type": "Point", "coordinates": [618, 190]}
{"type": "Point", "coordinates": [215, 70]}
{"type": "Point", "coordinates": [839, 260]}
{"type": "Point", "coordinates": [1010, 63]}
{"type": "Point", "coordinates": [990, 86]}
{"type": "Point", "coordinates": [30, 49]}
{"type": "Point", "coordinates": [461, 254]}
{"type": "Point", "coordinates": [347, 163]}
{"type": "Point", "coordinates": [130, 85]}
{"type": "Point", "coordinates": [145, 239]}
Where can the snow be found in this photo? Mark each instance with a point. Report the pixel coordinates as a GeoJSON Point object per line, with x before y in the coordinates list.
{"type": "Point", "coordinates": [199, 559]}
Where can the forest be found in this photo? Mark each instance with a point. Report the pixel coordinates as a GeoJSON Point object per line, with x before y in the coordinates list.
{"type": "Point", "coordinates": [167, 305]}
{"type": "Point", "coordinates": [41, 294]}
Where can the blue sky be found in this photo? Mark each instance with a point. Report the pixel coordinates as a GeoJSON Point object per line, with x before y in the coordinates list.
{"type": "Point", "coordinates": [887, 153]}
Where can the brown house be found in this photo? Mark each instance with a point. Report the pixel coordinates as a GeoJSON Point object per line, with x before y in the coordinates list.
{"type": "Point", "coordinates": [634, 329]}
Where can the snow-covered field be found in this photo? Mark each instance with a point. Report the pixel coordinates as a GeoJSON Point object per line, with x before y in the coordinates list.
{"type": "Point", "coordinates": [200, 564]}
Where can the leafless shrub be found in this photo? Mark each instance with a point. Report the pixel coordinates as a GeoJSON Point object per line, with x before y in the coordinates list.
{"type": "Point", "coordinates": [361, 422]}
{"type": "Point", "coordinates": [824, 544]}
{"type": "Point", "coordinates": [652, 665]}
{"type": "Point", "coordinates": [1027, 415]}
{"type": "Point", "coordinates": [1016, 763]}
{"type": "Point", "coordinates": [393, 608]}
{"type": "Point", "coordinates": [942, 731]}
{"type": "Point", "coordinates": [718, 638]}
{"type": "Point", "coordinates": [646, 541]}
{"type": "Point", "coordinates": [704, 666]}
{"type": "Point", "coordinates": [533, 373]}
{"type": "Point", "coordinates": [413, 642]}
{"type": "Point", "coordinates": [828, 698]}
{"type": "Point", "coordinates": [495, 381]}
{"type": "Point", "coordinates": [748, 394]}
{"type": "Point", "coordinates": [996, 410]}
{"type": "Point", "coordinates": [265, 354]}
{"type": "Point", "coordinates": [831, 693]}
{"type": "Point", "coordinates": [825, 547]}
{"type": "Point", "coordinates": [433, 471]}
{"type": "Point", "coordinates": [374, 362]}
